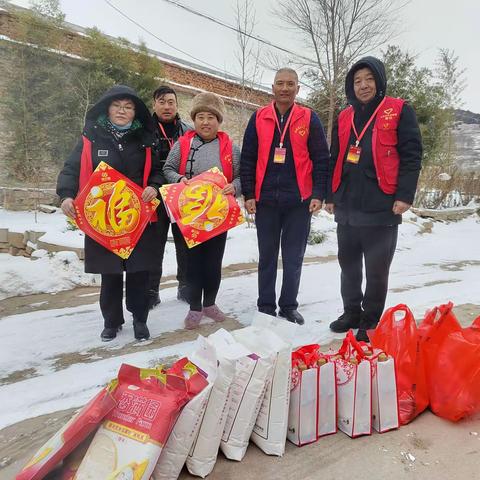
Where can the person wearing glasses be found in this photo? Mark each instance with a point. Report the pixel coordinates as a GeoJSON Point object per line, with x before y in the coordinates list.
{"type": "Point", "coordinates": [196, 152]}
{"type": "Point", "coordinates": [118, 131]}
{"type": "Point", "coordinates": [168, 128]}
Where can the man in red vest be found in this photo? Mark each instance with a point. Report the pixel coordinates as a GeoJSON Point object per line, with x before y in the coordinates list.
{"type": "Point", "coordinates": [376, 156]}
{"type": "Point", "coordinates": [284, 170]}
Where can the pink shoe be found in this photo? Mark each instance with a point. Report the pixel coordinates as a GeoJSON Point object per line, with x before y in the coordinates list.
{"type": "Point", "coordinates": [214, 313]}
{"type": "Point", "coordinates": [192, 320]}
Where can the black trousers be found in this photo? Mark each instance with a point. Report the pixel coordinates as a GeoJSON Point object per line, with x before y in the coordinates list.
{"type": "Point", "coordinates": [287, 227]}
{"type": "Point", "coordinates": [205, 271]}
{"type": "Point", "coordinates": [162, 225]}
{"type": "Point", "coordinates": [136, 293]}
{"type": "Point", "coordinates": [375, 246]}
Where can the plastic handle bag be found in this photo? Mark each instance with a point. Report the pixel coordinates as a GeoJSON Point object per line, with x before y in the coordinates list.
{"type": "Point", "coordinates": [452, 355]}
{"type": "Point", "coordinates": [400, 338]}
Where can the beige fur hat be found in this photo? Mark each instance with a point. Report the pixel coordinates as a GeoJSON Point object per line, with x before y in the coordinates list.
{"type": "Point", "coordinates": [208, 102]}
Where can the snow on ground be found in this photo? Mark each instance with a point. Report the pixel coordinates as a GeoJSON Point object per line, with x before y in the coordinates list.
{"type": "Point", "coordinates": [63, 271]}
{"type": "Point", "coordinates": [428, 269]}
{"type": "Point", "coordinates": [47, 274]}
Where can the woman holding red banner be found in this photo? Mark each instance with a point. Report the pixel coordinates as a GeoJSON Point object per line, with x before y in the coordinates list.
{"type": "Point", "coordinates": [196, 152]}
{"type": "Point", "coordinates": [118, 131]}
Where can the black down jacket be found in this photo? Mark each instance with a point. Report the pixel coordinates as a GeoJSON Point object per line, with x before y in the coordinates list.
{"type": "Point", "coordinates": [128, 157]}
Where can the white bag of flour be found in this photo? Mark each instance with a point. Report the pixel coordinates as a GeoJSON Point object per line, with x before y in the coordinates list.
{"type": "Point", "coordinates": [270, 429]}
{"type": "Point", "coordinates": [203, 453]}
{"type": "Point", "coordinates": [180, 441]}
{"type": "Point", "coordinates": [252, 373]}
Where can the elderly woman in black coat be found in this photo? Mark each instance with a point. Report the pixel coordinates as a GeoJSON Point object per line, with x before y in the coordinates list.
{"type": "Point", "coordinates": [118, 131]}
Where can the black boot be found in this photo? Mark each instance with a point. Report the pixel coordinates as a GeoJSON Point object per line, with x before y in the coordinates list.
{"type": "Point", "coordinates": [367, 322]}
{"type": "Point", "coordinates": [141, 331]}
{"type": "Point", "coordinates": [345, 322]}
{"type": "Point", "coordinates": [293, 316]}
{"type": "Point", "coordinates": [268, 311]}
{"type": "Point", "coordinates": [109, 333]}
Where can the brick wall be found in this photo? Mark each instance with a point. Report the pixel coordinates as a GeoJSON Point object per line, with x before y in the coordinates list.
{"type": "Point", "coordinates": [72, 42]}
{"type": "Point", "coordinates": [185, 81]}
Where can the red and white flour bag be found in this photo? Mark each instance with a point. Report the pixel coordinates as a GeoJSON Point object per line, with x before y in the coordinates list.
{"type": "Point", "coordinates": [131, 438]}
{"type": "Point", "coordinates": [385, 414]}
{"type": "Point", "coordinates": [203, 454]}
{"type": "Point", "coordinates": [185, 430]}
{"type": "Point", "coordinates": [270, 429]}
{"type": "Point", "coordinates": [71, 435]}
{"type": "Point", "coordinates": [71, 463]}
{"type": "Point", "coordinates": [247, 390]}
{"type": "Point", "coordinates": [354, 389]}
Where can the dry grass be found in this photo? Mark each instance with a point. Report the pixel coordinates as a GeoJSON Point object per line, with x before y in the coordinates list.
{"type": "Point", "coordinates": [441, 186]}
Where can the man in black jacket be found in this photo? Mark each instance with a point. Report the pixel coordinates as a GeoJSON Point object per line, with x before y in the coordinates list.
{"type": "Point", "coordinates": [284, 170]}
{"type": "Point", "coordinates": [168, 127]}
{"type": "Point", "coordinates": [376, 155]}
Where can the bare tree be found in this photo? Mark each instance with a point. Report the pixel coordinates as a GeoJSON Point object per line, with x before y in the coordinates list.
{"type": "Point", "coordinates": [336, 32]}
{"type": "Point", "coordinates": [451, 77]}
{"type": "Point", "coordinates": [451, 80]}
{"type": "Point", "coordinates": [248, 53]}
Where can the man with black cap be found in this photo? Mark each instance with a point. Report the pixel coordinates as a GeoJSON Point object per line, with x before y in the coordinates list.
{"type": "Point", "coordinates": [376, 155]}
{"type": "Point", "coordinates": [168, 128]}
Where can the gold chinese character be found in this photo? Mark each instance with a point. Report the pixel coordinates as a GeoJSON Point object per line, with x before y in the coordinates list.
{"type": "Point", "coordinates": [199, 198]}
{"type": "Point", "coordinates": [121, 216]}
{"type": "Point", "coordinates": [98, 208]}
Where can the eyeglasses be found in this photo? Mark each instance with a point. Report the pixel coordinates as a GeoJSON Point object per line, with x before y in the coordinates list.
{"type": "Point", "coordinates": [125, 108]}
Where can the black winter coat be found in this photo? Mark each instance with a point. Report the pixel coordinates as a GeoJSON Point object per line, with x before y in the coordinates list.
{"type": "Point", "coordinates": [359, 201]}
{"type": "Point", "coordinates": [128, 157]}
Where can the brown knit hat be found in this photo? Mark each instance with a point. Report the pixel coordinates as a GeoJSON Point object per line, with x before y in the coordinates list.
{"type": "Point", "coordinates": [208, 102]}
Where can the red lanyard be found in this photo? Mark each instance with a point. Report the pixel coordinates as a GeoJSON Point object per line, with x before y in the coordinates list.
{"type": "Point", "coordinates": [285, 128]}
{"type": "Point", "coordinates": [169, 140]}
{"type": "Point", "coordinates": [359, 137]}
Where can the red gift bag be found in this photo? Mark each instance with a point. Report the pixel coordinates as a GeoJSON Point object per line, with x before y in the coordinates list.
{"type": "Point", "coordinates": [354, 388]}
{"type": "Point", "coordinates": [400, 338]}
{"type": "Point", "coordinates": [452, 355]}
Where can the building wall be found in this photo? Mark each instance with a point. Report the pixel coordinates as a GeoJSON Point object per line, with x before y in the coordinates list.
{"type": "Point", "coordinates": [187, 82]}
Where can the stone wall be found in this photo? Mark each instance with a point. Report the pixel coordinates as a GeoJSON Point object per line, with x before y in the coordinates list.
{"type": "Point", "coordinates": [17, 198]}
{"type": "Point", "coordinates": [24, 244]}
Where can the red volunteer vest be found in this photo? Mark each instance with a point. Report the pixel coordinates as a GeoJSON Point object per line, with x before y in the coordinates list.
{"type": "Point", "coordinates": [226, 153]}
{"type": "Point", "coordinates": [86, 167]}
{"type": "Point", "coordinates": [384, 144]}
{"type": "Point", "coordinates": [299, 129]}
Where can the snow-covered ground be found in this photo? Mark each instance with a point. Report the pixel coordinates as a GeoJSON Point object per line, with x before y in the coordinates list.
{"type": "Point", "coordinates": [428, 269]}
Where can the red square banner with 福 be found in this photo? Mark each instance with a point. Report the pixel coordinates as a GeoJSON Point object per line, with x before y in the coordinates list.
{"type": "Point", "coordinates": [110, 210]}
{"type": "Point", "coordinates": [199, 207]}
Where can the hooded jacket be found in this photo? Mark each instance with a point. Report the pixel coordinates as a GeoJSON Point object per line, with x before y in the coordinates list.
{"type": "Point", "coordinates": [358, 199]}
{"type": "Point", "coordinates": [127, 155]}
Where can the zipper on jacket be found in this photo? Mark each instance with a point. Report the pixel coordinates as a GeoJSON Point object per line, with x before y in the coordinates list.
{"type": "Point", "coordinates": [120, 147]}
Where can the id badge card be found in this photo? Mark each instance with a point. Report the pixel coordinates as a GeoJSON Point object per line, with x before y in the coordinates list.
{"type": "Point", "coordinates": [279, 155]}
{"type": "Point", "coordinates": [353, 155]}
